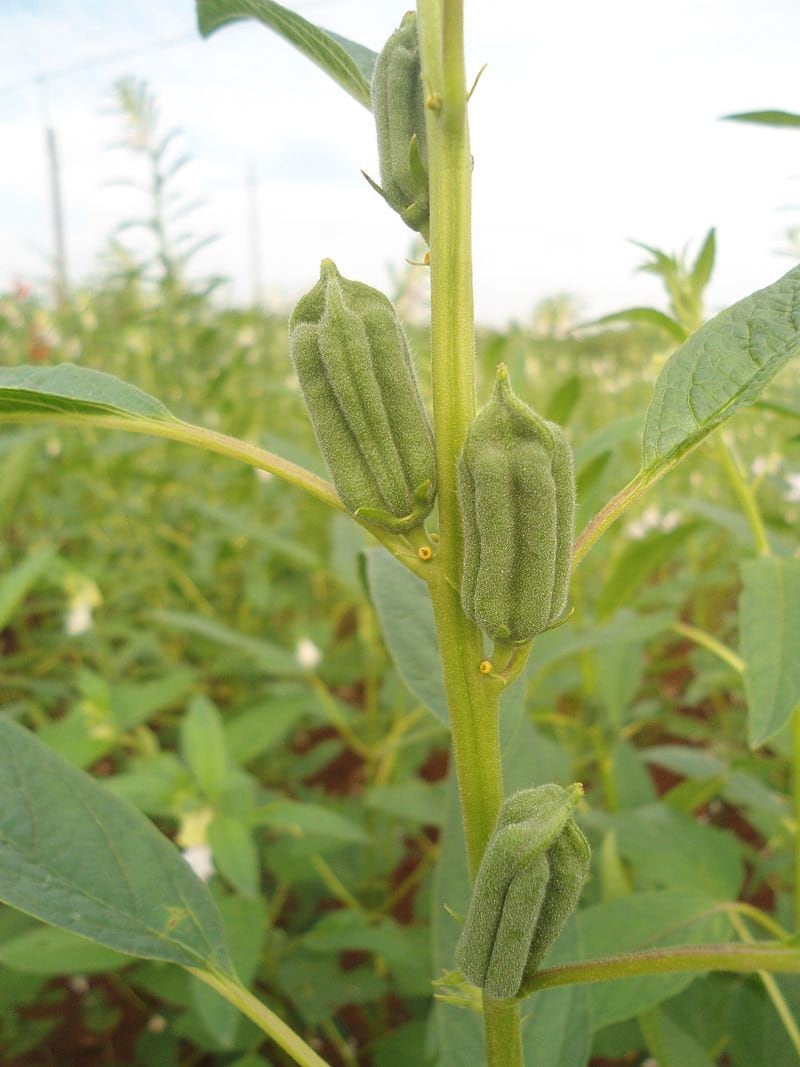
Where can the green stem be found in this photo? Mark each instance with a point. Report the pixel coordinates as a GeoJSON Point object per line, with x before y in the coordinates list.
{"type": "Point", "coordinates": [711, 644]}
{"type": "Point", "coordinates": [741, 958]}
{"type": "Point", "coordinates": [404, 547]}
{"type": "Point", "coordinates": [773, 989]}
{"type": "Point", "coordinates": [266, 1020]}
{"type": "Point", "coordinates": [744, 494]}
{"type": "Point", "coordinates": [473, 700]}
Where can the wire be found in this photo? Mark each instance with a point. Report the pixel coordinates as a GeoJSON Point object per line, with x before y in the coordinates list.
{"type": "Point", "coordinates": [100, 61]}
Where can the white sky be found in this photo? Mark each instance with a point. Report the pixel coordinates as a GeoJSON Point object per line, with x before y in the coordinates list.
{"type": "Point", "coordinates": [593, 123]}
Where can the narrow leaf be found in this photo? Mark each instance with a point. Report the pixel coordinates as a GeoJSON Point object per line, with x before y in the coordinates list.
{"type": "Point", "coordinates": [73, 391]}
{"type": "Point", "coordinates": [406, 617]}
{"type": "Point", "coordinates": [721, 368]}
{"type": "Point", "coordinates": [769, 624]}
{"type": "Point", "coordinates": [704, 264]}
{"type": "Point", "coordinates": [75, 856]}
{"type": "Point", "coordinates": [765, 118]}
{"type": "Point", "coordinates": [16, 584]}
{"type": "Point", "coordinates": [644, 317]}
{"type": "Point", "coordinates": [348, 63]}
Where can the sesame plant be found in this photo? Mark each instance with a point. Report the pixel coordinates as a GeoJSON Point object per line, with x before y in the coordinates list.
{"type": "Point", "coordinates": [474, 510]}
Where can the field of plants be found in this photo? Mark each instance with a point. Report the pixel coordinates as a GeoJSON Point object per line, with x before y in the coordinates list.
{"type": "Point", "coordinates": [252, 671]}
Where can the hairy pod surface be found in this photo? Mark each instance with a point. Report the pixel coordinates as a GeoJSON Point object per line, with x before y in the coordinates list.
{"type": "Point", "coordinates": [398, 104]}
{"type": "Point", "coordinates": [527, 886]}
{"type": "Point", "coordinates": [516, 487]}
{"type": "Point", "coordinates": [355, 371]}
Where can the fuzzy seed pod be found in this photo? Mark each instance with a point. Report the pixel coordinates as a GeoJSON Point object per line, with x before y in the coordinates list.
{"type": "Point", "coordinates": [516, 488]}
{"type": "Point", "coordinates": [527, 886]}
{"type": "Point", "coordinates": [358, 382]}
{"type": "Point", "coordinates": [398, 104]}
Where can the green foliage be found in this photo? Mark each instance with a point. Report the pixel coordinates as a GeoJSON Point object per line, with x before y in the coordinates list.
{"type": "Point", "coordinates": [358, 382]}
{"type": "Point", "coordinates": [517, 497]}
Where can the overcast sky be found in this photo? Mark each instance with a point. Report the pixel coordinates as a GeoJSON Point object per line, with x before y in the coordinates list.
{"type": "Point", "coordinates": [593, 123]}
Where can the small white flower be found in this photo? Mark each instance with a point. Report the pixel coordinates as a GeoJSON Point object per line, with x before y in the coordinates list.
{"type": "Point", "coordinates": [84, 597]}
{"type": "Point", "coordinates": [792, 496]}
{"type": "Point", "coordinates": [78, 619]}
{"type": "Point", "coordinates": [199, 859]}
{"type": "Point", "coordinates": [53, 447]}
{"type": "Point", "coordinates": [652, 519]}
{"type": "Point", "coordinates": [307, 654]}
{"type": "Point", "coordinates": [263, 476]}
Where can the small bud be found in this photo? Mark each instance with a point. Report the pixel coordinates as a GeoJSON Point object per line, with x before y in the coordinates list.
{"type": "Point", "coordinates": [527, 886]}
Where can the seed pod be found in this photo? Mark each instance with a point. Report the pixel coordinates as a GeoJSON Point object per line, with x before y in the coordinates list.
{"type": "Point", "coordinates": [527, 886]}
{"type": "Point", "coordinates": [516, 489]}
{"type": "Point", "coordinates": [398, 104]}
{"type": "Point", "coordinates": [358, 382]}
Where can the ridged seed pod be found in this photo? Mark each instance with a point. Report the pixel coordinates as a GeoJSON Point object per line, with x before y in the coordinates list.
{"type": "Point", "coordinates": [516, 488]}
{"type": "Point", "coordinates": [527, 886]}
{"type": "Point", "coordinates": [398, 104]}
{"type": "Point", "coordinates": [358, 382]}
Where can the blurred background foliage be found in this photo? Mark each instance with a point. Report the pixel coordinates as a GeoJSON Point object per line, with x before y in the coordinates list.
{"type": "Point", "coordinates": [202, 639]}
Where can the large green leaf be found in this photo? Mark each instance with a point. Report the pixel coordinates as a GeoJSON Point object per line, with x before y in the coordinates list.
{"type": "Point", "coordinates": [769, 625]}
{"type": "Point", "coordinates": [644, 921]}
{"type": "Point", "coordinates": [721, 368]}
{"type": "Point", "coordinates": [75, 856]}
{"type": "Point", "coordinates": [348, 63]}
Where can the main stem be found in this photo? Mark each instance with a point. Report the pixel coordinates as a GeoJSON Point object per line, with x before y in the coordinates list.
{"type": "Point", "coordinates": [473, 700]}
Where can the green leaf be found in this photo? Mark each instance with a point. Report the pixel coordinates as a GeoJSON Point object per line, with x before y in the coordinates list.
{"type": "Point", "coordinates": [348, 63]}
{"type": "Point", "coordinates": [757, 1032]}
{"type": "Point", "coordinates": [769, 625]}
{"type": "Point", "coordinates": [269, 657]}
{"type": "Point", "coordinates": [16, 585]}
{"type": "Point", "coordinates": [406, 617]}
{"type": "Point", "coordinates": [203, 745]}
{"type": "Point", "coordinates": [563, 401]}
{"type": "Point", "coordinates": [50, 951]}
{"type": "Point", "coordinates": [301, 819]}
{"type": "Point", "coordinates": [721, 368]}
{"type": "Point", "coordinates": [75, 856]}
{"type": "Point", "coordinates": [235, 854]}
{"type": "Point", "coordinates": [670, 849]}
{"type": "Point", "coordinates": [634, 923]}
{"type": "Point", "coordinates": [74, 391]}
{"type": "Point", "coordinates": [411, 801]}
{"type": "Point", "coordinates": [704, 264]}
{"type": "Point", "coordinates": [84, 397]}
{"type": "Point", "coordinates": [670, 1043]}
{"type": "Point", "coordinates": [636, 564]}
{"type": "Point", "coordinates": [765, 118]}
{"type": "Point", "coordinates": [644, 317]}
